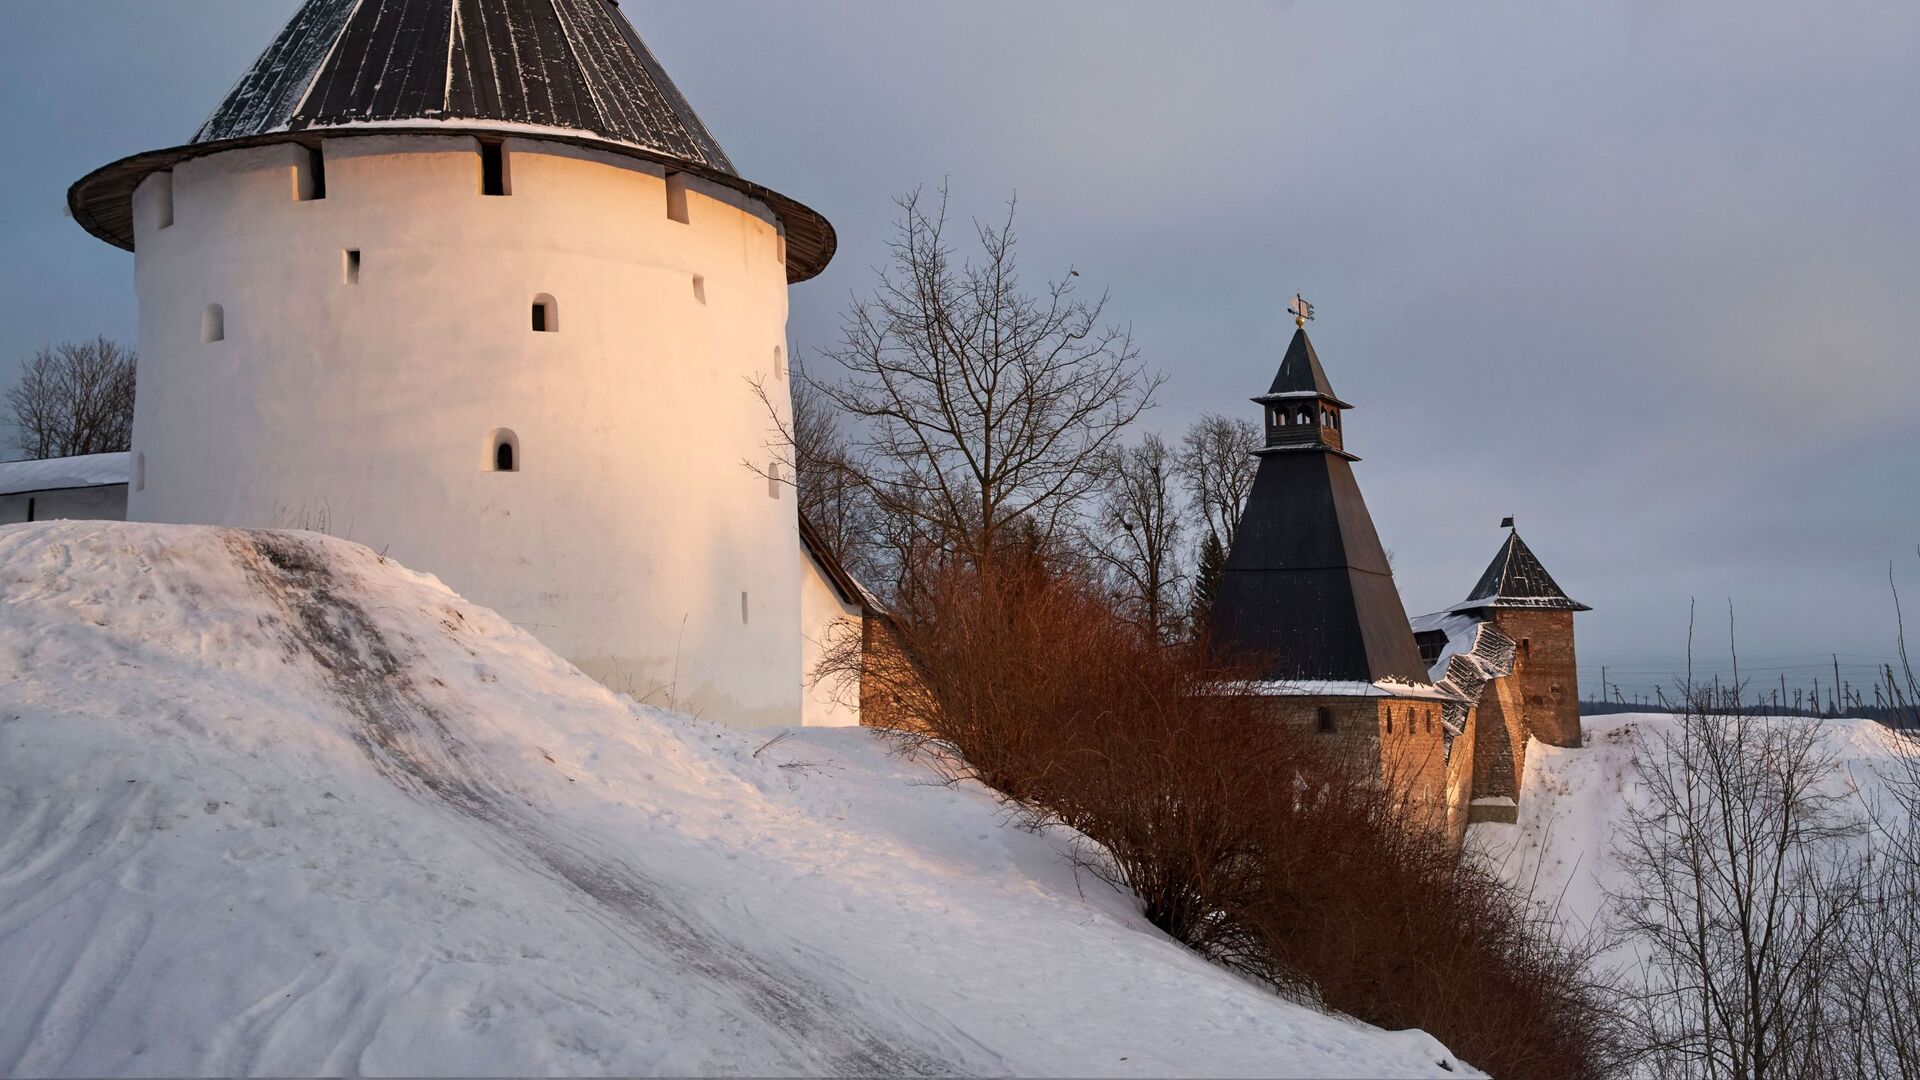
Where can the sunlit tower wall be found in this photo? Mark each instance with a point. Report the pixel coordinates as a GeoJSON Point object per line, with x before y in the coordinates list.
{"type": "Point", "coordinates": [520, 356]}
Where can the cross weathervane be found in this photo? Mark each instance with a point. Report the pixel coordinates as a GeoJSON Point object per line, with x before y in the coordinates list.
{"type": "Point", "coordinates": [1301, 311]}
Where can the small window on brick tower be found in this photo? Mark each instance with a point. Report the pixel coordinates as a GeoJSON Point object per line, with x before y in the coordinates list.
{"type": "Point", "coordinates": [1323, 719]}
{"type": "Point", "coordinates": [1389, 721]}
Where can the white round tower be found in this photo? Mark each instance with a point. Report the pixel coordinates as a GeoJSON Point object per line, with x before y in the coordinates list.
{"type": "Point", "coordinates": [503, 324]}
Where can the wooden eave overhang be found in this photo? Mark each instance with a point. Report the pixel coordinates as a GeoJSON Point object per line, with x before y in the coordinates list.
{"type": "Point", "coordinates": [102, 200]}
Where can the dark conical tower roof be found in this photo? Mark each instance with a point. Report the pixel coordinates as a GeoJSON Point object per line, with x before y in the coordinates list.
{"type": "Point", "coordinates": [570, 71]}
{"type": "Point", "coordinates": [1300, 374]}
{"type": "Point", "coordinates": [1308, 593]}
{"type": "Point", "coordinates": [1515, 579]}
{"type": "Point", "coordinates": [572, 64]}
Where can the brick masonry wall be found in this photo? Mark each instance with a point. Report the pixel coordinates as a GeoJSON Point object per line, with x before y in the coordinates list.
{"type": "Point", "coordinates": [1544, 669]}
{"type": "Point", "coordinates": [1403, 738]}
{"type": "Point", "coordinates": [1540, 700]}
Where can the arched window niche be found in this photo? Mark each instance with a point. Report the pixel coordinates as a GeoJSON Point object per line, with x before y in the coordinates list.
{"type": "Point", "coordinates": [503, 451]}
{"type": "Point", "coordinates": [546, 315]}
{"type": "Point", "coordinates": [213, 324]}
{"type": "Point", "coordinates": [1323, 719]}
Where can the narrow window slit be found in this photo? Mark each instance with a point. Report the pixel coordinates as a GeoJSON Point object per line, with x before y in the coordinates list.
{"type": "Point", "coordinates": [677, 197]}
{"type": "Point", "coordinates": [494, 179]}
{"type": "Point", "coordinates": [353, 266]}
{"type": "Point", "coordinates": [700, 288]}
{"type": "Point", "coordinates": [213, 324]}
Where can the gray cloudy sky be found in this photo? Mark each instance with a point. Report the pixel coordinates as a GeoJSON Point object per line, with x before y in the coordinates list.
{"type": "Point", "coordinates": [1643, 275]}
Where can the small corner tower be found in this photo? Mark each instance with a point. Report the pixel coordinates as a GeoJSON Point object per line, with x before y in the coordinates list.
{"type": "Point", "coordinates": [471, 282]}
{"type": "Point", "coordinates": [1307, 596]}
{"type": "Point", "coordinates": [1523, 602]}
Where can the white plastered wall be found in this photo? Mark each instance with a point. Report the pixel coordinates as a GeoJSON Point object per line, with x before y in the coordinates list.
{"type": "Point", "coordinates": [825, 620]}
{"type": "Point", "coordinates": [107, 502]}
{"type": "Point", "coordinates": [634, 539]}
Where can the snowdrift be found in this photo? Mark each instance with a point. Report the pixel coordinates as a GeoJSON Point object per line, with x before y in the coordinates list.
{"type": "Point", "coordinates": [1575, 802]}
{"type": "Point", "coordinates": [271, 804]}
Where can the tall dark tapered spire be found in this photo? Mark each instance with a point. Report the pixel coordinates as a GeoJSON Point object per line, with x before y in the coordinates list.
{"type": "Point", "coordinates": [1307, 592]}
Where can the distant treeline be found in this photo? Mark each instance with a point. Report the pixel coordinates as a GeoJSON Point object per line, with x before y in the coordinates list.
{"type": "Point", "coordinates": [1879, 713]}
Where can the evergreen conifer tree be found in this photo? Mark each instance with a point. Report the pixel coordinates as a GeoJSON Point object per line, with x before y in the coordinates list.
{"type": "Point", "coordinates": [1209, 566]}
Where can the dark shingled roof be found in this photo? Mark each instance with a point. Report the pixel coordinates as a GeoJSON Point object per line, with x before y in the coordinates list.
{"type": "Point", "coordinates": [1300, 374]}
{"type": "Point", "coordinates": [1515, 579]}
{"type": "Point", "coordinates": [1307, 591]}
{"type": "Point", "coordinates": [564, 70]}
{"type": "Point", "coordinates": [574, 64]}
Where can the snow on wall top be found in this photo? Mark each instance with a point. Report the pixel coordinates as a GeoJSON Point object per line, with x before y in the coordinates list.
{"type": "Point", "coordinates": [571, 64]}
{"type": "Point", "coordinates": [54, 474]}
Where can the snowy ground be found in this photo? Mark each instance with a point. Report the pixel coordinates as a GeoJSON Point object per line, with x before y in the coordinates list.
{"type": "Point", "coordinates": [270, 804]}
{"type": "Point", "coordinates": [1574, 802]}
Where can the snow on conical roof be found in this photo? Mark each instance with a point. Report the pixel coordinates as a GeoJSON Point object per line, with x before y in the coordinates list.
{"type": "Point", "coordinates": [571, 71]}
{"type": "Point", "coordinates": [572, 64]}
{"type": "Point", "coordinates": [1515, 579]}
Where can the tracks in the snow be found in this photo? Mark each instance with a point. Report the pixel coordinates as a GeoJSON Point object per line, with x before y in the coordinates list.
{"type": "Point", "coordinates": [414, 745]}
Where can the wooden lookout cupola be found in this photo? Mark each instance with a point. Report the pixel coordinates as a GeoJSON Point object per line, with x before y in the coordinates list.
{"type": "Point", "coordinates": [1302, 411]}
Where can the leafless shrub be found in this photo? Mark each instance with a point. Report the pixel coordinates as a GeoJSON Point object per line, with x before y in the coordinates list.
{"type": "Point", "coordinates": [74, 398]}
{"type": "Point", "coordinates": [1262, 847]}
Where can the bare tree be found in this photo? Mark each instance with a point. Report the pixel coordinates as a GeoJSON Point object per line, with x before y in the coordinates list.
{"type": "Point", "coordinates": [74, 398]}
{"type": "Point", "coordinates": [979, 404]}
{"type": "Point", "coordinates": [1744, 881]}
{"type": "Point", "coordinates": [1217, 464]}
{"type": "Point", "coordinates": [1135, 536]}
{"type": "Point", "coordinates": [810, 454]}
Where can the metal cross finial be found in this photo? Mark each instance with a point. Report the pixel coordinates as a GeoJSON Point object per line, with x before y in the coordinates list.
{"type": "Point", "coordinates": [1302, 311]}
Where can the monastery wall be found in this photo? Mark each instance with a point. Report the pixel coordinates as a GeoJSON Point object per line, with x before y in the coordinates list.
{"type": "Point", "coordinates": [349, 363]}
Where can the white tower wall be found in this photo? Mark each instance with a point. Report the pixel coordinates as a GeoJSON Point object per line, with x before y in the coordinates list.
{"type": "Point", "coordinates": [634, 539]}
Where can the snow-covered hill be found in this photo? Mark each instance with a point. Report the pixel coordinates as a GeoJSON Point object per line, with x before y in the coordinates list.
{"type": "Point", "coordinates": [1575, 802]}
{"type": "Point", "coordinates": [272, 804]}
